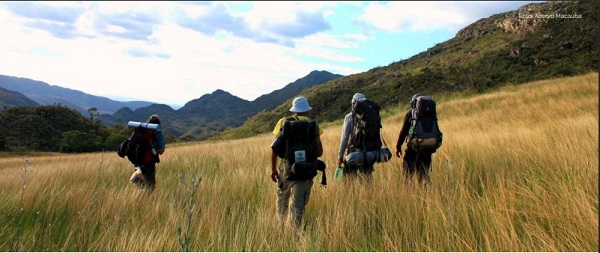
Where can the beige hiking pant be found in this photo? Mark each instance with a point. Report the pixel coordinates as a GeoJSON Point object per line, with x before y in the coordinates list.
{"type": "Point", "coordinates": [299, 191]}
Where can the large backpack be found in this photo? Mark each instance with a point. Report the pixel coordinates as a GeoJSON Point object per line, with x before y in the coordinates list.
{"type": "Point", "coordinates": [366, 133]}
{"type": "Point", "coordinates": [300, 148]}
{"type": "Point", "coordinates": [136, 147]}
{"type": "Point", "coordinates": [297, 146]}
{"type": "Point", "coordinates": [424, 133]}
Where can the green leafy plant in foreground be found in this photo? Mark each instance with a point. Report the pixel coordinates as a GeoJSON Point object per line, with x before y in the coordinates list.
{"type": "Point", "coordinates": [185, 240]}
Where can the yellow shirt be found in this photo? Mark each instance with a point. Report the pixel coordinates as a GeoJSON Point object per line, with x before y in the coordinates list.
{"type": "Point", "coordinates": [279, 125]}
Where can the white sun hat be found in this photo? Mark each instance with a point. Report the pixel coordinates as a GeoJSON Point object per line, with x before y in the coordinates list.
{"type": "Point", "coordinates": [300, 105]}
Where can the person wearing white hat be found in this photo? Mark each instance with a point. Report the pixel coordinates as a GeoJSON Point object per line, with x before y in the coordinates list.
{"type": "Point", "coordinates": [300, 106]}
{"type": "Point", "coordinates": [298, 190]}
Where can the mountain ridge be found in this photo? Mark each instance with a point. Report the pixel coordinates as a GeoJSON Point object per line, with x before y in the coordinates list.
{"type": "Point", "coordinates": [9, 98]}
{"type": "Point", "coordinates": [490, 52]}
{"type": "Point", "coordinates": [46, 94]}
{"type": "Point", "coordinates": [503, 48]}
{"type": "Point", "coordinates": [214, 112]}
{"type": "Point", "coordinates": [198, 118]}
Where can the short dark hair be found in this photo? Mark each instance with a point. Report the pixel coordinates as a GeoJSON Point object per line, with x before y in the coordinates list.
{"type": "Point", "coordinates": [153, 119]}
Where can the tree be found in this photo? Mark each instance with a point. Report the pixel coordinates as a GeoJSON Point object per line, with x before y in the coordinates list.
{"type": "Point", "coordinates": [93, 112]}
{"type": "Point", "coordinates": [77, 141]}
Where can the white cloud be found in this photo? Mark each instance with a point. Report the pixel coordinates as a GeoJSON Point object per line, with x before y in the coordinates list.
{"type": "Point", "coordinates": [175, 64]}
{"type": "Point", "coordinates": [412, 15]}
{"type": "Point", "coordinates": [284, 11]}
{"type": "Point", "coordinates": [404, 15]}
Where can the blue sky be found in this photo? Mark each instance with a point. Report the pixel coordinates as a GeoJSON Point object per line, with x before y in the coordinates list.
{"type": "Point", "coordinates": [173, 52]}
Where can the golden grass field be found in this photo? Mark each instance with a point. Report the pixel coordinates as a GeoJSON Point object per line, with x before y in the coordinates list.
{"type": "Point", "coordinates": [518, 171]}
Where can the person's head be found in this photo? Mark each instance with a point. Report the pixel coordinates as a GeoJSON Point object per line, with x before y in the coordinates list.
{"type": "Point", "coordinates": [300, 106]}
{"type": "Point", "coordinates": [414, 99]}
{"type": "Point", "coordinates": [357, 97]}
{"type": "Point", "coordinates": [153, 119]}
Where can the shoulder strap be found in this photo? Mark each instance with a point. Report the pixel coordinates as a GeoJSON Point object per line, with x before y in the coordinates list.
{"type": "Point", "coordinates": [291, 118]}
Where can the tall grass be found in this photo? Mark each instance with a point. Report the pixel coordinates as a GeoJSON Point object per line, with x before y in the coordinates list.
{"type": "Point", "coordinates": [518, 171]}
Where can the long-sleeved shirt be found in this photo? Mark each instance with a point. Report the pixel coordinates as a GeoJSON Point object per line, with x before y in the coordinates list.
{"type": "Point", "coordinates": [404, 130]}
{"type": "Point", "coordinates": [346, 132]}
{"type": "Point", "coordinates": [160, 140]}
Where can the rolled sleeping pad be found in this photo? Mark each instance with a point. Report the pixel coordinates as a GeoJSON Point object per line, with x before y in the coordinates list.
{"type": "Point", "coordinates": [357, 158]}
{"type": "Point", "coordinates": [151, 126]}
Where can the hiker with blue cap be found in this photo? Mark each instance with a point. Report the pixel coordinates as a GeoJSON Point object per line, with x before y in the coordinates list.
{"type": "Point", "coordinates": [298, 143]}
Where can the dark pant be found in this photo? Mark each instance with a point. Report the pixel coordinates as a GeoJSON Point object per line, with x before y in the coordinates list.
{"type": "Point", "coordinates": [149, 172]}
{"type": "Point", "coordinates": [351, 172]}
{"type": "Point", "coordinates": [417, 162]}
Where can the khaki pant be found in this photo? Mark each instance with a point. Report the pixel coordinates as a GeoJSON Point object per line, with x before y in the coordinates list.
{"type": "Point", "coordinates": [299, 191]}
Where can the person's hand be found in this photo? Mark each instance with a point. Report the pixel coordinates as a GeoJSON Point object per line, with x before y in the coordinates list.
{"type": "Point", "coordinates": [399, 152]}
{"type": "Point", "coordinates": [161, 151]}
{"type": "Point", "coordinates": [274, 175]}
{"type": "Point", "coordinates": [340, 161]}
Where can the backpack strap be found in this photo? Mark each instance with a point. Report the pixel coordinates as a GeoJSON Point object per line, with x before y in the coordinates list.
{"type": "Point", "coordinates": [413, 122]}
{"type": "Point", "coordinates": [352, 138]}
{"type": "Point", "coordinates": [291, 118]}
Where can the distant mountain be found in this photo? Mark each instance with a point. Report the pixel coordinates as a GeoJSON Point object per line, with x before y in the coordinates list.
{"type": "Point", "coordinates": [119, 116]}
{"type": "Point", "coordinates": [46, 94]}
{"type": "Point", "coordinates": [125, 114]}
{"type": "Point", "coordinates": [275, 98]}
{"type": "Point", "coordinates": [212, 113]}
{"type": "Point", "coordinates": [221, 104]}
{"type": "Point", "coordinates": [217, 106]}
{"type": "Point", "coordinates": [10, 99]}
{"type": "Point", "coordinates": [503, 48]}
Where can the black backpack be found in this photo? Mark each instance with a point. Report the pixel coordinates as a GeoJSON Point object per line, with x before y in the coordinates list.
{"type": "Point", "coordinates": [136, 147]}
{"type": "Point", "coordinates": [424, 133]}
{"type": "Point", "coordinates": [366, 134]}
{"type": "Point", "coordinates": [298, 147]}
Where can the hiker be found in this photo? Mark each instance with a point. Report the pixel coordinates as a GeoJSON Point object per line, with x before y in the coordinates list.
{"type": "Point", "coordinates": [417, 155]}
{"type": "Point", "coordinates": [147, 168]}
{"type": "Point", "coordinates": [351, 143]}
{"type": "Point", "coordinates": [289, 185]}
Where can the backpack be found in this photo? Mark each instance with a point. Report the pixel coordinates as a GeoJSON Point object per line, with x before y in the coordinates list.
{"type": "Point", "coordinates": [136, 147]}
{"type": "Point", "coordinates": [366, 134]}
{"type": "Point", "coordinates": [424, 133]}
{"type": "Point", "coordinates": [297, 146]}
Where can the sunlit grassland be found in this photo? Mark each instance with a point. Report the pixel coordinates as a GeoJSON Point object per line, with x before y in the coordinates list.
{"type": "Point", "coordinates": [518, 171]}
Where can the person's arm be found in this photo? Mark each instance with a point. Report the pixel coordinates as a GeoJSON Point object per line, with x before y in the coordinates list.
{"type": "Point", "coordinates": [274, 172]}
{"type": "Point", "coordinates": [160, 142]}
{"type": "Point", "coordinates": [319, 146]}
{"type": "Point", "coordinates": [403, 133]}
{"type": "Point", "coordinates": [346, 129]}
{"type": "Point", "coordinates": [276, 131]}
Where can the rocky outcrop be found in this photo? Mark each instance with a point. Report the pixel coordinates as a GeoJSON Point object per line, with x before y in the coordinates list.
{"type": "Point", "coordinates": [529, 17]}
{"type": "Point", "coordinates": [524, 20]}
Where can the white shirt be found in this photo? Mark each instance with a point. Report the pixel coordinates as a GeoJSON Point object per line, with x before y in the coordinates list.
{"type": "Point", "coordinates": [346, 131]}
